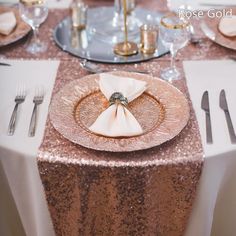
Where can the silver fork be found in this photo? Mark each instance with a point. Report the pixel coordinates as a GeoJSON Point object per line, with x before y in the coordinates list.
{"type": "Point", "coordinates": [38, 99]}
{"type": "Point", "coordinates": [20, 98]}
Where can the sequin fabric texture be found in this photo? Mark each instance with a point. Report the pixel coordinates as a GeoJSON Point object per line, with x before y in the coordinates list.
{"type": "Point", "coordinates": [147, 192]}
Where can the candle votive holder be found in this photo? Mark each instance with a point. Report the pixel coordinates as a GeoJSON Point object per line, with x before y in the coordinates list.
{"type": "Point", "coordinates": [148, 38]}
{"type": "Point", "coordinates": [79, 15]}
{"type": "Point", "coordinates": [130, 6]}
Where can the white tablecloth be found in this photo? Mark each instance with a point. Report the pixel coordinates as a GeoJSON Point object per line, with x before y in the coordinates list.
{"type": "Point", "coordinates": [215, 206]}
{"type": "Point", "coordinates": [18, 152]}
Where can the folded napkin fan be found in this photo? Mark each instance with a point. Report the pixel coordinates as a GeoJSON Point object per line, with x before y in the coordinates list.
{"type": "Point", "coordinates": [7, 22]}
{"type": "Point", "coordinates": [117, 120]}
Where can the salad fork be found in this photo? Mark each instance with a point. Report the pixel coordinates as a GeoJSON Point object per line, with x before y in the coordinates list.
{"type": "Point", "coordinates": [20, 98]}
{"type": "Point", "coordinates": [38, 99]}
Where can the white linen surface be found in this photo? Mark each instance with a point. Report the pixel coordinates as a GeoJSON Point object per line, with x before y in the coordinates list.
{"type": "Point", "coordinates": [56, 4]}
{"type": "Point", "coordinates": [18, 152]}
{"type": "Point", "coordinates": [214, 210]}
{"type": "Point", "coordinates": [117, 120]}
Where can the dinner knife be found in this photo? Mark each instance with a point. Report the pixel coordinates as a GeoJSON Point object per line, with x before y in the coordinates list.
{"type": "Point", "coordinates": [4, 64]}
{"type": "Point", "coordinates": [224, 107]}
{"type": "Point", "coordinates": [206, 107]}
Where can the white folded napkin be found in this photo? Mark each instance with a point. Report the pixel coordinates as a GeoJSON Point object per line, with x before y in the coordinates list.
{"type": "Point", "coordinates": [7, 22]}
{"type": "Point", "coordinates": [117, 120]}
{"type": "Point", "coordinates": [227, 26]}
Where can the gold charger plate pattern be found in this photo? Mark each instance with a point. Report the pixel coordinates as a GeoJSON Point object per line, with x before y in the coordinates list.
{"type": "Point", "coordinates": [227, 42]}
{"type": "Point", "coordinates": [21, 29]}
{"type": "Point", "coordinates": [162, 111]}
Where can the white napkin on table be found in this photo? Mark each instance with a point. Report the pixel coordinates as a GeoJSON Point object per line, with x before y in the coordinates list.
{"type": "Point", "coordinates": [227, 26]}
{"type": "Point", "coordinates": [117, 120]}
{"type": "Point", "coordinates": [7, 22]}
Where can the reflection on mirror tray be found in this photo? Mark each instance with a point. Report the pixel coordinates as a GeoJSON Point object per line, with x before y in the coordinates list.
{"type": "Point", "coordinates": [87, 45]}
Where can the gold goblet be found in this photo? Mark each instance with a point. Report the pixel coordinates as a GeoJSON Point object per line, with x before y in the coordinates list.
{"type": "Point", "coordinates": [126, 48]}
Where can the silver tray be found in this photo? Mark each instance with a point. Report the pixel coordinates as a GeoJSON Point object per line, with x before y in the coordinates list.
{"type": "Point", "coordinates": [91, 45]}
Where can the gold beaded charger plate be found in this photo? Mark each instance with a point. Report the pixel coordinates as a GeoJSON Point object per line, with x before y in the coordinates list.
{"type": "Point", "coordinates": [220, 38]}
{"type": "Point", "coordinates": [21, 29]}
{"type": "Point", "coordinates": [162, 111]}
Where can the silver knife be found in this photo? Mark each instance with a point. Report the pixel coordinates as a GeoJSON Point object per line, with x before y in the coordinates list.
{"type": "Point", "coordinates": [206, 107]}
{"type": "Point", "coordinates": [4, 64]}
{"type": "Point", "coordinates": [224, 106]}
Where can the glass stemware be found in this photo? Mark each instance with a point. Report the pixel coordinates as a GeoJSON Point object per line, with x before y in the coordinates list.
{"type": "Point", "coordinates": [34, 13]}
{"type": "Point", "coordinates": [180, 7]}
{"type": "Point", "coordinates": [174, 34]}
{"type": "Point", "coordinates": [110, 27]}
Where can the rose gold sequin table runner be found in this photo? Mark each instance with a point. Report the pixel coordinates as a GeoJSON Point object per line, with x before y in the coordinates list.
{"type": "Point", "coordinates": [148, 192]}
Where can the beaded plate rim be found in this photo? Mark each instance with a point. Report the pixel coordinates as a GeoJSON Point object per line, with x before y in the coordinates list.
{"type": "Point", "coordinates": [177, 113]}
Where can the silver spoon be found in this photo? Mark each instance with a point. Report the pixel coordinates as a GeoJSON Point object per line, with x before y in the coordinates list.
{"type": "Point", "coordinates": [93, 68]}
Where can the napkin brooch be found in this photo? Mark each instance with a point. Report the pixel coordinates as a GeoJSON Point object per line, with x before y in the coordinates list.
{"type": "Point", "coordinates": [118, 97]}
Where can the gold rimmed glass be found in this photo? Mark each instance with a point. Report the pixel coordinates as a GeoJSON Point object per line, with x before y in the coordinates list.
{"type": "Point", "coordinates": [34, 13]}
{"type": "Point", "coordinates": [174, 34]}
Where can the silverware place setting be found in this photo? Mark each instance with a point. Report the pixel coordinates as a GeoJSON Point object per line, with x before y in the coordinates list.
{"type": "Point", "coordinates": [20, 99]}
{"type": "Point", "coordinates": [4, 64]}
{"type": "Point", "coordinates": [38, 99]}
{"type": "Point", "coordinates": [206, 107]}
{"type": "Point", "coordinates": [223, 104]}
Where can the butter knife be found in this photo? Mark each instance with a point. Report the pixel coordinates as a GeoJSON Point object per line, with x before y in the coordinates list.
{"type": "Point", "coordinates": [224, 107]}
{"type": "Point", "coordinates": [206, 107]}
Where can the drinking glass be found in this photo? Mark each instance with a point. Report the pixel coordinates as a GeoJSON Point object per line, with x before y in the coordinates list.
{"type": "Point", "coordinates": [174, 34]}
{"type": "Point", "coordinates": [34, 13]}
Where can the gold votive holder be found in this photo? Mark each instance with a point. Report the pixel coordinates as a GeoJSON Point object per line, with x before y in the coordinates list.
{"type": "Point", "coordinates": [79, 15]}
{"type": "Point", "coordinates": [148, 38]}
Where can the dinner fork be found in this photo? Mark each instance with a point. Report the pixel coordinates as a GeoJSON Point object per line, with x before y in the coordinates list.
{"type": "Point", "coordinates": [38, 99]}
{"type": "Point", "coordinates": [20, 98]}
